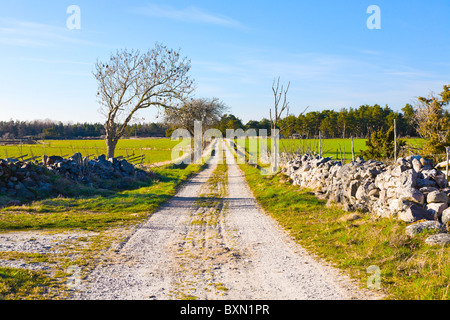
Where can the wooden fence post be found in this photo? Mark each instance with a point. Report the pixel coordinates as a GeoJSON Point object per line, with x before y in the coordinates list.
{"type": "Point", "coordinates": [343, 150]}
{"type": "Point", "coordinates": [395, 141]}
{"type": "Point", "coordinates": [320, 144]}
{"type": "Point", "coordinates": [446, 164]}
{"type": "Point", "coordinates": [353, 151]}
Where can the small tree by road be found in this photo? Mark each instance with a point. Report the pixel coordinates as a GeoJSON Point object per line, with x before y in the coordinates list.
{"type": "Point", "coordinates": [433, 121]}
{"type": "Point", "coordinates": [130, 81]}
{"type": "Point", "coordinates": [208, 111]}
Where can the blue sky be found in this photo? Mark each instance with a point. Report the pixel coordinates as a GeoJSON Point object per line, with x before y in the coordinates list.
{"type": "Point", "coordinates": [236, 48]}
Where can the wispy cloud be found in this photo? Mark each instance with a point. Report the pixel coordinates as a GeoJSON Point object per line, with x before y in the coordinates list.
{"type": "Point", "coordinates": [189, 14]}
{"type": "Point", "coordinates": [32, 34]}
{"type": "Point", "coordinates": [407, 72]}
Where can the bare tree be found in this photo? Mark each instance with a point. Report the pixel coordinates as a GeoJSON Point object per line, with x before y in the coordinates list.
{"type": "Point", "coordinates": [281, 105]}
{"type": "Point", "coordinates": [208, 111]}
{"type": "Point", "coordinates": [279, 118]}
{"type": "Point", "coordinates": [130, 81]}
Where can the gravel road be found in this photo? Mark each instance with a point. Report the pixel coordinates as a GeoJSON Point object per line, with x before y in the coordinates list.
{"type": "Point", "coordinates": [237, 252]}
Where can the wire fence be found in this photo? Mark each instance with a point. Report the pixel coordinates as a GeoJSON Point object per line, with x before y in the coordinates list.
{"type": "Point", "coordinates": [140, 155]}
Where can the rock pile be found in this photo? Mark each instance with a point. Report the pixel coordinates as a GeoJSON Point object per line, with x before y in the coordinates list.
{"type": "Point", "coordinates": [33, 180]}
{"type": "Point", "coordinates": [410, 190]}
{"type": "Point", "coordinates": [23, 180]}
{"type": "Point", "coordinates": [79, 168]}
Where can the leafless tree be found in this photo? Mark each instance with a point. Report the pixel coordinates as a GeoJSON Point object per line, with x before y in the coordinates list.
{"type": "Point", "coordinates": [208, 111]}
{"type": "Point", "coordinates": [130, 81]}
{"type": "Point", "coordinates": [279, 116]}
{"type": "Point", "coordinates": [281, 105]}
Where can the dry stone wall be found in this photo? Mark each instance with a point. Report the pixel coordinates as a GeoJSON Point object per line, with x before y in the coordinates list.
{"type": "Point", "coordinates": [27, 181]}
{"type": "Point", "coordinates": [410, 190]}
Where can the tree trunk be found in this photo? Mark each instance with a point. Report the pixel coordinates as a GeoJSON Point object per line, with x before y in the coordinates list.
{"type": "Point", "coordinates": [110, 147]}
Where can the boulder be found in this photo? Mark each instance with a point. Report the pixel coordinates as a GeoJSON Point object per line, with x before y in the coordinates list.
{"type": "Point", "coordinates": [426, 190]}
{"type": "Point", "coordinates": [435, 175]}
{"type": "Point", "coordinates": [414, 213]}
{"type": "Point", "coordinates": [416, 165]}
{"type": "Point", "coordinates": [77, 157]}
{"type": "Point", "coordinates": [54, 159]}
{"type": "Point", "coordinates": [418, 227]}
{"type": "Point", "coordinates": [426, 162]}
{"type": "Point", "coordinates": [398, 205]}
{"type": "Point", "coordinates": [23, 192]}
{"type": "Point", "coordinates": [422, 183]}
{"type": "Point", "coordinates": [408, 179]}
{"type": "Point", "coordinates": [436, 209]}
{"type": "Point", "coordinates": [437, 197]}
{"type": "Point", "coordinates": [438, 239]}
{"type": "Point", "coordinates": [411, 194]}
{"type": "Point", "coordinates": [352, 189]}
{"type": "Point", "coordinates": [126, 167]}
{"type": "Point", "coordinates": [398, 170]}
{"type": "Point", "coordinates": [402, 161]}
{"type": "Point", "coordinates": [374, 193]}
{"type": "Point", "coordinates": [445, 217]}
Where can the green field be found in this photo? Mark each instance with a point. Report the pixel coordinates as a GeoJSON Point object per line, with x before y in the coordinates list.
{"type": "Point", "coordinates": [330, 147]}
{"type": "Point", "coordinates": [152, 150]}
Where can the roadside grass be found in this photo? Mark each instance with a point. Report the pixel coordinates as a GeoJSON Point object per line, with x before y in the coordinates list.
{"type": "Point", "coordinates": [100, 209]}
{"type": "Point", "coordinates": [109, 214]}
{"type": "Point", "coordinates": [17, 283]}
{"type": "Point", "coordinates": [410, 269]}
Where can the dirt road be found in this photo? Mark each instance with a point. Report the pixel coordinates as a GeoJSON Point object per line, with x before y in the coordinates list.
{"type": "Point", "coordinates": [212, 241]}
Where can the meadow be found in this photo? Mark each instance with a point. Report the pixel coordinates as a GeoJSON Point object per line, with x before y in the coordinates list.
{"type": "Point", "coordinates": [152, 150]}
{"type": "Point", "coordinates": [335, 148]}
{"type": "Point", "coordinates": [157, 150]}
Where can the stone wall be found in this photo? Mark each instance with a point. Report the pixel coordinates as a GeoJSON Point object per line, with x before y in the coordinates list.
{"type": "Point", "coordinates": [27, 181]}
{"type": "Point", "coordinates": [410, 190]}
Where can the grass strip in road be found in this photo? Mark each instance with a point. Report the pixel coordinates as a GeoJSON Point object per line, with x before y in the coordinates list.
{"type": "Point", "coordinates": [203, 245]}
{"type": "Point", "coordinates": [409, 268]}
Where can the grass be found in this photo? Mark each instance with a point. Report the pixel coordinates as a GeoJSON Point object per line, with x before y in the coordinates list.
{"type": "Point", "coordinates": [99, 210]}
{"type": "Point", "coordinates": [330, 147]}
{"type": "Point", "coordinates": [410, 269]}
{"type": "Point", "coordinates": [201, 244]}
{"type": "Point", "coordinates": [154, 150]}
{"type": "Point", "coordinates": [17, 283]}
{"type": "Point", "coordinates": [106, 213]}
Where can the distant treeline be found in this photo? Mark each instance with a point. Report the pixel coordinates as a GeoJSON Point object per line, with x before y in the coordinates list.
{"type": "Point", "coordinates": [357, 122]}
{"type": "Point", "coordinates": [44, 129]}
